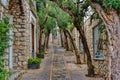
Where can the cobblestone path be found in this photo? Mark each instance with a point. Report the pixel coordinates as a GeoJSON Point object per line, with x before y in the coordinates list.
{"type": "Point", "coordinates": [59, 64]}
{"type": "Point", "coordinates": [59, 71]}
{"type": "Point", "coordinates": [44, 72]}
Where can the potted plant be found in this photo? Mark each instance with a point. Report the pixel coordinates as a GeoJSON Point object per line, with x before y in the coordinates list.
{"type": "Point", "coordinates": [40, 55]}
{"type": "Point", "coordinates": [34, 63]}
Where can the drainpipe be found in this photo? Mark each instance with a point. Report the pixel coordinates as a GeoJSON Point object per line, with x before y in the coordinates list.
{"type": "Point", "coordinates": [11, 45]}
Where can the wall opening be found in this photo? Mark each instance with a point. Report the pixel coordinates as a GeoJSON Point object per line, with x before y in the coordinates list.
{"type": "Point", "coordinates": [33, 39]}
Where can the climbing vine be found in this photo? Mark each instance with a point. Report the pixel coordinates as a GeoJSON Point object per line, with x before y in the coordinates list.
{"type": "Point", "coordinates": [4, 39]}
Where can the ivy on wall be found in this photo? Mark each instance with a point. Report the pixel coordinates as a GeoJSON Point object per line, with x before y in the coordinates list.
{"type": "Point", "coordinates": [4, 39]}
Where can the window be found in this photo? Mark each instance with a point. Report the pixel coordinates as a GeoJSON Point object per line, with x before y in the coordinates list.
{"type": "Point", "coordinates": [5, 3]}
{"type": "Point", "coordinates": [98, 42]}
{"type": "Point", "coordinates": [81, 45]}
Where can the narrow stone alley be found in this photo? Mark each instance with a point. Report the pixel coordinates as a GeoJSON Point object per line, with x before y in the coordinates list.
{"type": "Point", "coordinates": [59, 40]}
{"type": "Point", "coordinates": [59, 70]}
{"type": "Point", "coordinates": [58, 64]}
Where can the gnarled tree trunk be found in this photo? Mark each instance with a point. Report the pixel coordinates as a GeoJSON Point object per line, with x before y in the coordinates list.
{"type": "Point", "coordinates": [86, 49]}
{"type": "Point", "coordinates": [46, 42]}
{"type": "Point", "coordinates": [61, 38]}
{"type": "Point", "coordinates": [66, 41]}
{"type": "Point", "coordinates": [74, 46]}
{"type": "Point", "coordinates": [40, 41]}
{"type": "Point", "coordinates": [112, 22]}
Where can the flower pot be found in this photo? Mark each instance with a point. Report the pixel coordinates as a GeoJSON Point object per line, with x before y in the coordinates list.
{"type": "Point", "coordinates": [33, 66]}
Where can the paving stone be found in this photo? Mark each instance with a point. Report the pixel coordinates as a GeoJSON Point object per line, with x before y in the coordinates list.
{"type": "Point", "coordinates": [59, 70]}
{"type": "Point", "coordinates": [77, 72]}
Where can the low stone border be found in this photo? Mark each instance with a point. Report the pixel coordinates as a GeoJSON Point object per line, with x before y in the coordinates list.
{"type": "Point", "coordinates": [17, 75]}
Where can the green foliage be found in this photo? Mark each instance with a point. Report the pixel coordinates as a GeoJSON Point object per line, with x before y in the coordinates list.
{"type": "Point", "coordinates": [52, 9]}
{"type": "Point", "coordinates": [70, 26]}
{"type": "Point", "coordinates": [63, 19]}
{"type": "Point", "coordinates": [4, 38]}
{"type": "Point", "coordinates": [50, 24]}
{"type": "Point", "coordinates": [70, 4]}
{"type": "Point", "coordinates": [34, 60]}
{"type": "Point", "coordinates": [41, 11]}
{"type": "Point", "coordinates": [115, 4]}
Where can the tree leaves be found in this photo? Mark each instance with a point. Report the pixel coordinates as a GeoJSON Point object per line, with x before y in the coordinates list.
{"type": "Point", "coordinates": [113, 4]}
{"type": "Point", "coordinates": [50, 24]}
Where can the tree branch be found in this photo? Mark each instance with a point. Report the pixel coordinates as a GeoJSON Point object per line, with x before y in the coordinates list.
{"type": "Point", "coordinates": [66, 9]}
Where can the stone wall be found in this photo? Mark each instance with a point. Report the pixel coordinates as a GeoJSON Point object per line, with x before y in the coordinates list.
{"type": "Point", "coordinates": [76, 37]}
{"type": "Point", "coordinates": [21, 39]}
{"type": "Point", "coordinates": [101, 66]}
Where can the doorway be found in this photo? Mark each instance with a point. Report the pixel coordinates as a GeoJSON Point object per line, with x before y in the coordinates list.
{"type": "Point", "coordinates": [33, 45]}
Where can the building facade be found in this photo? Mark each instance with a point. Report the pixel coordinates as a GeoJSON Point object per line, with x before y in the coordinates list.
{"type": "Point", "coordinates": [24, 34]}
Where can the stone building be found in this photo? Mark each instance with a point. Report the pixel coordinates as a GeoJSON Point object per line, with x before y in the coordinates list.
{"type": "Point", "coordinates": [23, 15]}
{"type": "Point", "coordinates": [25, 34]}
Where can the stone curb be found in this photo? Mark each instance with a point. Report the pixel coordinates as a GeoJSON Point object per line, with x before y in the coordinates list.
{"type": "Point", "coordinates": [17, 75]}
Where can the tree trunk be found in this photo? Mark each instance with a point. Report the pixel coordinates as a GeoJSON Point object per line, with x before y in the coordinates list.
{"type": "Point", "coordinates": [74, 46]}
{"type": "Point", "coordinates": [112, 22]}
{"type": "Point", "coordinates": [40, 41]}
{"type": "Point", "coordinates": [86, 49]}
{"type": "Point", "coordinates": [61, 38]}
{"type": "Point", "coordinates": [66, 41]}
{"type": "Point", "coordinates": [46, 42]}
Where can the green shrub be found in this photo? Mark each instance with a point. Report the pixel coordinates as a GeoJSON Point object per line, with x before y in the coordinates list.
{"type": "Point", "coordinates": [34, 60]}
{"type": "Point", "coordinates": [4, 38]}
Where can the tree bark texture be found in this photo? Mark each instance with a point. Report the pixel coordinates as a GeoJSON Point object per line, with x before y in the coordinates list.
{"type": "Point", "coordinates": [112, 22]}
{"type": "Point", "coordinates": [86, 49]}
{"type": "Point", "coordinates": [40, 41]}
{"type": "Point", "coordinates": [61, 38]}
{"type": "Point", "coordinates": [74, 46]}
{"type": "Point", "coordinates": [66, 41]}
{"type": "Point", "coordinates": [46, 42]}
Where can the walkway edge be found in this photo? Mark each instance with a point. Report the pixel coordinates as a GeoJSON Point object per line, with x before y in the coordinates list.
{"type": "Point", "coordinates": [66, 66]}
{"type": "Point", "coordinates": [51, 68]}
